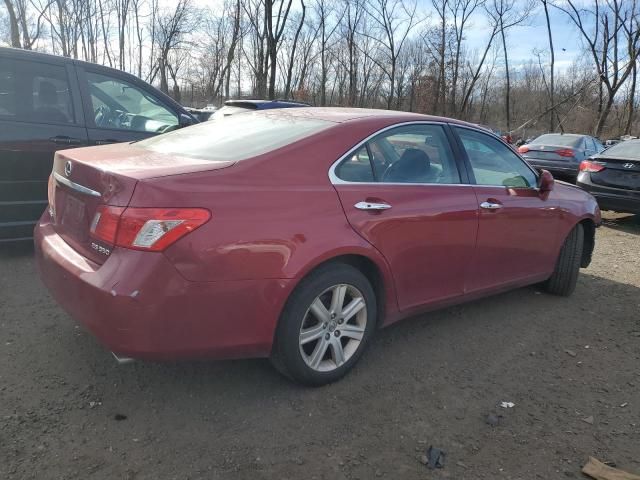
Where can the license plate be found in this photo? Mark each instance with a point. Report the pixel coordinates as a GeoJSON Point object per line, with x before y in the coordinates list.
{"type": "Point", "coordinates": [74, 213]}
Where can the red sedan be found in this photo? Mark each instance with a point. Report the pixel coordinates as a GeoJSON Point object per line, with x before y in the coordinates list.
{"type": "Point", "coordinates": [295, 234]}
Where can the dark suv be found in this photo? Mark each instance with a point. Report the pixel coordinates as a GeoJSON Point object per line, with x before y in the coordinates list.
{"type": "Point", "coordinates": [50, 103]}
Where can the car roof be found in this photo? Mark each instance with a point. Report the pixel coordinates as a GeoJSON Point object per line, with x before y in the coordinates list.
{"type": "Point", "coordinates": [258, 104]}
{"type": "Point", "coordinates": [346, 114]}
{"type": "Point", "coordinates": [565, 134]}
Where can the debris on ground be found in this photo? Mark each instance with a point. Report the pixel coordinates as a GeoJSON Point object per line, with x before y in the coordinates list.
{"type": "Point", "coordinates": [492, 419]}
{"type": "Point", "coordinates": [598, 470]}
{"type": "Point", "coordinates": [507, 404]}
{"type": "Point", "coordinates": [435, 457]}
{"type": "Point", "coordinates": [119, 417]}
{"type": "Point", "coordinates": [588, 419]}
{"type": "Point", "coordinates": [571, 353]}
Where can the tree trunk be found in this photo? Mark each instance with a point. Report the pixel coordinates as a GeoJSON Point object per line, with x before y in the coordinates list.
{"type": "Point", "coordinates": [508, 79]}
{"type": "Point", "coordinates": [602, 119]}
{"type": "Point", "coordinates": [552, 73]}
{"type": "Point", "coordinates": [632, 100]}
{"type": "Point", "coordinates": [13, 23]}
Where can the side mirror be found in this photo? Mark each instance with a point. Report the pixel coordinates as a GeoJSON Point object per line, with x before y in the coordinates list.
{"type": "Point", "coordinates": [186, 120]}
{"type": "Point", "coordinates": [546, 181]}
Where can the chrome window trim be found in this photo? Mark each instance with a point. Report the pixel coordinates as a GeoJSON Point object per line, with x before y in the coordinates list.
{"type": "Point", "coordinates": [75, 186]}
{"type": "Point", "coordinates": [335, 180]}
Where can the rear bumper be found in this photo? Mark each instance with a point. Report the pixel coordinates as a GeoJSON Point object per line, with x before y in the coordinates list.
{"type": "Point", "coordinates": [139, 306]}
{"type": "Point", "coordinates": [616, 199]}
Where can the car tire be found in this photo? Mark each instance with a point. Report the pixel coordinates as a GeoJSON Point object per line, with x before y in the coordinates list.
{"type": "Point", "coordinates": [314, 345]}
{"type": "Point", "coordinates": [565, 276]}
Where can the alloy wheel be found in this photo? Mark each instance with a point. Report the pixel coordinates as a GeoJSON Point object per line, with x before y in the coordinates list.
{"type": "Point", "coordinates": [333, 327]}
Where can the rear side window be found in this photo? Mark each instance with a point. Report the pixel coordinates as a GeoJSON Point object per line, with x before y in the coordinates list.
{"type": "Point", "coordinates": [237, 137]}
{"type": "Point", "coordinates": [357, 168]}
{"type": "Point", "coordinates": [8, 90]}
{"type": "Point", "coordinates": [493, 163]}
{"type": "Point", "coordinates": [417, 153]}
{"type": "Point", "coordinates": [35, 92]}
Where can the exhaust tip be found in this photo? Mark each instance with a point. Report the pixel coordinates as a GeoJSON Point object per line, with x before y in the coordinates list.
{"type": "Point", "coordinates": [122, 360]}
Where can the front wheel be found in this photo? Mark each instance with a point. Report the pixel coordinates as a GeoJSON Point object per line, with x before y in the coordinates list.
{"type": "Point", "coordinates": [565, 276]}
{"type": "Point", "coordinates": [326, 325]}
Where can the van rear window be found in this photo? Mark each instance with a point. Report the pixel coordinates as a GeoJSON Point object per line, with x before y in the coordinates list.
{"type": "Point", "coordinates": [237, 137]}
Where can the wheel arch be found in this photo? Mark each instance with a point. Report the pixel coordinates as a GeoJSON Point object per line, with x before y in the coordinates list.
{"type": "Point", "coordinates": [589, 230]}
{"type": "Point", "coordinates": [372, 265]}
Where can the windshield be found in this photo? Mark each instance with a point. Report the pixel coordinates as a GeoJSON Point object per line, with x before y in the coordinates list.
{"type": "Point", "coordinates": [629, 148]}
{"type": "Point", "coordinates": [560, 140]}
{"type": "Point", "coordinates": [235, 138]}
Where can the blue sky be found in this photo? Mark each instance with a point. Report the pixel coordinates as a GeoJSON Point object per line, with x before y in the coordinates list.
{"type": "Point", "coordinates": [523, 40]}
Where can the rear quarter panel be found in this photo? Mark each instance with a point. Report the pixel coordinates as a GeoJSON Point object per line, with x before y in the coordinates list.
{"type": "Point", "coordinates": [276, 216]}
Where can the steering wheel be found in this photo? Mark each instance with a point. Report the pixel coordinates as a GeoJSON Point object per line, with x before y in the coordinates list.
{"type": "Point", "coordinates": [102, 116]}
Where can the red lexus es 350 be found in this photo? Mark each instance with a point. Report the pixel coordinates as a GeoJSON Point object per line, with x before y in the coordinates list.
{"type": "Point", "coordinates": [295, 234]}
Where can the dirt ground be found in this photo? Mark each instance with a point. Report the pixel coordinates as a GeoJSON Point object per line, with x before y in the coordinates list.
{"type": "Point", "coordinates": [571, 366]}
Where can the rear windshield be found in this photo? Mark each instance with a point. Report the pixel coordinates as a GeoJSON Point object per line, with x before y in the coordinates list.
{"type": "Point", "coordinates": [629, 148]}
{"type": "Point", "coordinates": [557, 140]}
{"type": "Point", "coordinates": [235, 138]}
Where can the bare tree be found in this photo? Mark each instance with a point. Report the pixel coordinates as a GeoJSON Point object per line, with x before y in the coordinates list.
{"type": "Point", "coordinates": [611, 33]}
{"type": "Point", "coordinates": [395, 19]}
{"type": "Point", "coordinates": [507, 14]}
{"type": "Point", "coordinates": [171, 28]}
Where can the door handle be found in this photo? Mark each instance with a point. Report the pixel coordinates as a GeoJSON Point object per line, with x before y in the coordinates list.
{"type": "Point", "coordinates": [64, 140]}
{"type": "Point", "coordinates": [372, 206]}
{"type": "Point", "coordinates": [490, 205]}
{"type": "Point", "coordinates": [106, 141]}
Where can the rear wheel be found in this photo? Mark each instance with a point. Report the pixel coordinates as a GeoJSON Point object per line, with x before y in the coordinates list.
{"type": "Point", "coordinates": [326, 325]}
{"type": "Point", "coordinates": [565, 276]}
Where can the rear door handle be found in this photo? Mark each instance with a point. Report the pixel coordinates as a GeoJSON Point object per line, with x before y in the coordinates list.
{"type": "Point", "coordinates": [372, 206]}
{"type": "Point", "coordinates": [64, 140]}
{"type": "Point", "coordinates": [490, 205]}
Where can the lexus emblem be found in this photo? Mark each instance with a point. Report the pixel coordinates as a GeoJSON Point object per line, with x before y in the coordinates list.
{"type": "Point", "coordinates": [68, 167]}
{"type": "Point", "coordinates": [628, 165]}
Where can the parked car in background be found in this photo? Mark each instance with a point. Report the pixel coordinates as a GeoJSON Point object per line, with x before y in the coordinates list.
{"type": "Point", "coordinates": [232, 107]}
{"type": "Point", "coordinates": [560, 153]}
{"type": "Point", "coordinates": [294, 234]}
{"type": "Point", "coordinates": [613, 177]}
{"type": "Point", "coordinates": [202, 114]}
{"type": "Point", "coordinates": [48, 103]}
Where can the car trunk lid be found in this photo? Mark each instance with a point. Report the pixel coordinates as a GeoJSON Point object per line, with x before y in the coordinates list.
{"type": "Point", "coordinates": [550, 152]}
{"type": "Point", "coordinates": [84, 179]}
{"type": "Point", "coordinates": [618, 173]}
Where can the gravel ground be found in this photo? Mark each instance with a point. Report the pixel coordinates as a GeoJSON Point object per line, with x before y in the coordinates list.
{"type": "Point", "coordinates": [571, 366]}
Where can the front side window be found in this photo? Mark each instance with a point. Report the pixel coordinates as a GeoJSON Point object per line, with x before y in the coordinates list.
{"type": "Point", "coordinates": [408, 154]}
{"type": "Point", "coordinates": [493, 163]}
{"type": "Point", "coordinates": [121, 105]}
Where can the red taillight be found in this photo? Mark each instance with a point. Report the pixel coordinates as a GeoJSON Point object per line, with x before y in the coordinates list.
{"type": "Point", "coordinates": [591, 167]}
{"type": "Point", "coordinates": [566, 152]}
{"type": "Point", "coordinates": [152, 229]}
{"type": "Point", "coordinates": [523, 149]}
{"type": "Point", "coordinates": [105, 223]}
